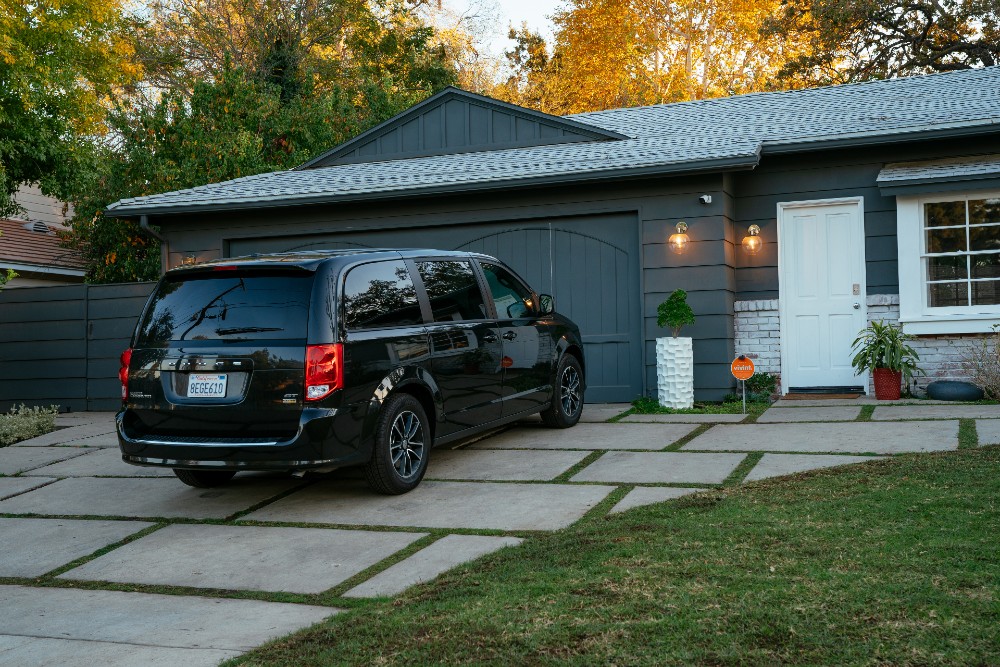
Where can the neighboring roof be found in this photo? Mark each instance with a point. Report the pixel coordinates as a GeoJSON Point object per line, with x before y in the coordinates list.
{"type": "Point", "coordinates": [707, 135]}
{"type": "Point", "coordinates": [972, 168]}
{"type": "Point", "coordinates": [34, 246]}
{"type": "Point", "coordinates": [457, 121]}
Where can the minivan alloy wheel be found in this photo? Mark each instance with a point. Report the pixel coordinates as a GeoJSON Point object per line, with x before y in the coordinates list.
{"type": "Point", "coordinates": [569, 390]}
{"type": "Point", "coordinates": [406, 444]}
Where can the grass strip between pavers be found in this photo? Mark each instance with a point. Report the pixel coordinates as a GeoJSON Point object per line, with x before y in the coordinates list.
{"type": "Point", "coordinates": [866, 413]}
{"type": "Point", "coordinates": [967, 436]}
{"type": "Point", "coordinates": [887, 562]}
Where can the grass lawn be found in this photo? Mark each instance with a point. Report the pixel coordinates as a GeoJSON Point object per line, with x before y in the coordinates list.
{"type": "Point", "coordinates": [892, 562]}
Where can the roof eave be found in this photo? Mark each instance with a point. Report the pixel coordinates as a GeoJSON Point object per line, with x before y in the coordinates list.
{"type": "Point", "coordinates": [676, 169]}
{"type": "Point", "coordinates": [983, 126]}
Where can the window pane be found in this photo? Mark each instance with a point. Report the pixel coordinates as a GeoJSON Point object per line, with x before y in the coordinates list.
{"type": "Point", "coordinates": [986, 293]}
{"type": "Point", "coordinates": [946, 240]}
{"type": "Point", "coordinates": [944, 213]}
{"type": "Point", "coordinates": [234, 305]}
{"type": "Point", "coordinates": [510, 296]}
{"type": "Point", "coordinates": [983, 211]}
{"type": "Point", "coordinates": [948, 294]}
{"type": "Point", "coordinates": [946, 268]}
{"type": "Point", "coordinates": [984, 238]}
{"type": "Point", "coordinates": [453, 291]}
{"type": "Point", "coordinates": [986, 266]}
{"type": "Point", "coordinates": [378, 295]}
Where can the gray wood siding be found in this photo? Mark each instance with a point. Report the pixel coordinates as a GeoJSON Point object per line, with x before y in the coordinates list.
{"type": "Point", "coordinates": [829, 175]}
{"type": "Point", "coordinates": [454, 126]}
{"type": "Point", "coordinates": [60, 345]}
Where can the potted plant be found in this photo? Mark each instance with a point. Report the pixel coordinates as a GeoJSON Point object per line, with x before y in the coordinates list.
{"type": "Point", "coordinates": [882, 349]}
{"type": "Point", "coordinates": [675, 355]}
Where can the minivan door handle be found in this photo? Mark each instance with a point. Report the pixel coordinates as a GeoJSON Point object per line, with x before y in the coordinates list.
{"type": "Point", "coordinates": [510, 335]}
{"type": "Point", "coordinates": [490, 338]}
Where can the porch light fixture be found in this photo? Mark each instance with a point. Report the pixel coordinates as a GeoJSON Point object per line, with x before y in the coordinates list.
{"type": "Point", "coordinates": [752, 242]}
{"type": "Point", "coordinates": [189, 260]}
{"type": "Point", "coordinates": [678, 242]}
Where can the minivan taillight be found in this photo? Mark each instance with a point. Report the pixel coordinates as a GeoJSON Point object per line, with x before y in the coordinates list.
{"type": "Point", "coordinates": [125, 360]}
{"type": "Point", "coordinates": [324, 370]}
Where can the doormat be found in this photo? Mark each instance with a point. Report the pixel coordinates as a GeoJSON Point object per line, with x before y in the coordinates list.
{"type": "Point", "coordinates": [817, 397]}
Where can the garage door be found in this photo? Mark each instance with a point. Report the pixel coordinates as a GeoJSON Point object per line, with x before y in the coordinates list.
{"type": "Point", "coordinates": [589, 265]}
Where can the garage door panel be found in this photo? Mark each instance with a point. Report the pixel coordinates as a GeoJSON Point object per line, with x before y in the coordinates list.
{"type": "Point", "coordinates": [588, 265]}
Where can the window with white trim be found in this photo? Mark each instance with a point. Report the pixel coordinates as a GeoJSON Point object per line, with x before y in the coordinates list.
{"type": "Point", "coordinates": [949, 261]}
{"type": "Point", "coordinates": [962, 252]}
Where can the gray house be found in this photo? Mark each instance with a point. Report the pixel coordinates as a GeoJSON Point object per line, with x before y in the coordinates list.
{"type": "Point", "coordinates": [877, 200]}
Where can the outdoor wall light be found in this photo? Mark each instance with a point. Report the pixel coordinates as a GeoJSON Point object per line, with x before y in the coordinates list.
{"type": "Point", "coordinates": [189, 260]}
{"type": "Point", "coordinates": [679, 242]}
{"type": "Point", "coordinates": [752, 242]}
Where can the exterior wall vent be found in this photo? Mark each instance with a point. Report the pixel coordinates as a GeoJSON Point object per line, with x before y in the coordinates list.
{"type": "Point", "coordinates": [38, 227]}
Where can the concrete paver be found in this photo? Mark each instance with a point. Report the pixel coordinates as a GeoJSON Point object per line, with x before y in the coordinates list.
{"type": "Point", "coordinates": [824, 414]}
{"type": "Point", "coordinates": [496, 465]}
{"type": "Point", "coordinates": [12, 486]}
{"type": "Point", "coordinates": [484, 505]}
{"type": "Point", "coordinates": [648, 495]}
{"type": "Point", "coordinates": [144, 498]}
{"type": "Point", "coordinates": [429, 562]}
{"type": "Point", "coordinates": [588, 436]}
{"type": "Point", "coordinates": [988, 431]}
{"type": "Point", "coordinates": [660, 468]}
{"type": "Point", "coordinates": [894, 413]}
{"type": "Point", "coordinates": [32, 547]}
{"type": "Point", "coordinates": [683, 419]}
{"type": "Point", "coordinates": [846, 437]}
{"type": "Point", "coordinates": [17, 459]}
{"type": "Point", "coordinates": [296, 560]}
{"type": "Point", "coordinates": [45, 652]}
{"type": "Point", "coordinates": [100, 462]}
{"type": "Point", "coordinates": [70, 433]}
{"type": "Point", "coordinates": [776, 465]}
{"type": "Point", "coordinates": [145, 619]}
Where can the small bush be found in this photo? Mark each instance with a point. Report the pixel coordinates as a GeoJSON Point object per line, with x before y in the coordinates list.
{"type": "Point", "coordinates": [23, 422]}
{"type": "Point", "coordinates": [762, 383]}
{"type": "Point", "coordinates": [982, 363]}
{"type": "Point", "coordinates": [674, 312]}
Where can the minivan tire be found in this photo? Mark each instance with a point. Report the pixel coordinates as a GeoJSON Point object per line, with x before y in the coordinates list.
{"type": "Point", "coordinates": [204, 479]}
{"type": "Point", "coordinates": [567, 395]}
{"type": "Point", "coordinates": [402, 446]}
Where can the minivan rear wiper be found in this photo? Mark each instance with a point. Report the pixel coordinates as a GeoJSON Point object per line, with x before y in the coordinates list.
{"type": "Point", "coordinates": [239, 330]}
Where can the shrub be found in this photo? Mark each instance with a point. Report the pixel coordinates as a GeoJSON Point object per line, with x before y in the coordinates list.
{"type": "Point", "coordinates": [762, 383]}
{"type": "Point", "coordinates": [23, 422]}
{"type": "Point", "coordinates": [675, 312]}
{"type": "Point", "coordinates": [982, 363]}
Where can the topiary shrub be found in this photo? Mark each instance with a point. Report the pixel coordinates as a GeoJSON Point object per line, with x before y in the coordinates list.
{"type": "Point", "coordinates": [675, 312]}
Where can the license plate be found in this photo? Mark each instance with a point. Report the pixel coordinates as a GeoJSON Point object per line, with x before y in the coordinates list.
{"type": "Point", "coordinates": [207, 385]}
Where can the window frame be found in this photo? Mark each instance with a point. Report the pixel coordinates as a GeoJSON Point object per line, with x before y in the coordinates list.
{"type": "Point", "coordinates": [424, 299]}
{"type": "Point", "coordinates": [916, 313]}
{"type": "Point", "coordinates": [486, 287]}
{"type": "Point", "coordinates": [342, 300]}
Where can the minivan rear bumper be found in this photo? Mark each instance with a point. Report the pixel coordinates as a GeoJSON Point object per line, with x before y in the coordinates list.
{"type": "Point", "coordinates": [321, 441]}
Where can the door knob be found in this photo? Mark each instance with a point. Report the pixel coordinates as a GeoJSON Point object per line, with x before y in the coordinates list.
{"type": "Point", "coordinates": [489, 338]}
{"type": "Point", "coordinates": [857, 306]}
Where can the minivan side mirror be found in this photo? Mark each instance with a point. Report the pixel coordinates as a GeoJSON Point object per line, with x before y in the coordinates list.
{"type": "Point", "coordinates": [546, 306]}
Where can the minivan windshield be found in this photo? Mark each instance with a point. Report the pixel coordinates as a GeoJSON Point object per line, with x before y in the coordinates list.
{"type": "Point", "coordinates": [228, 306]}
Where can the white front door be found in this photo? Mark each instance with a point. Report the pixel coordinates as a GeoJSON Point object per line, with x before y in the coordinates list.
{"type": "Point", "coordinates": [821, 283]}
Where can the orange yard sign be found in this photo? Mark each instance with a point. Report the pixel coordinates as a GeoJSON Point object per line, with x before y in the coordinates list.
{"type": "Point", "coordinates": [742, 368]}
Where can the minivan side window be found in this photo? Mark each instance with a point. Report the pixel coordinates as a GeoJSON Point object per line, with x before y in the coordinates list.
{"type": "Point", "coordinates": [380, 294]}
{"type": "Point", "coordinates": [512, 299]}
{"type": "Point", "coordinates": [453, 290]}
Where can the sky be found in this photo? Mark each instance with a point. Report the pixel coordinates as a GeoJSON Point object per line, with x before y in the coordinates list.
{"type": "Point", "coordinates": [535, 12]}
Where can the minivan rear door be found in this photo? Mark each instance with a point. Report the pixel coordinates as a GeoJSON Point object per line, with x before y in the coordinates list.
{"type": "Point", "coordinates": [220, 353]}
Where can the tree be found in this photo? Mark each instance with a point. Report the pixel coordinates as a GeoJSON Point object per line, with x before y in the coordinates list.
{"type": "Point", "coordinates": [613, 53]}
{"type": "Point", "coordinates": [877, 39]}
{"type": "Point", "coordinates": [59, 64]}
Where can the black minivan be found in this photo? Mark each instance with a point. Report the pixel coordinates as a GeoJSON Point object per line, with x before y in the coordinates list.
{"type": "Point", "coordinates": [320, 360]}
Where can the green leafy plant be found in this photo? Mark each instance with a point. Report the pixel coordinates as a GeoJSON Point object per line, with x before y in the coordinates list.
{"type": "Point", "coordinates": [883, 345]}
{"type": "Point", "coordinates": [22, 423]}
{"type": "Point", "coordinates": [675, 312]}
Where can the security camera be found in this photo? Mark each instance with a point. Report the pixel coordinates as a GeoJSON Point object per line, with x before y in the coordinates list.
{"type": "Point", "coordinates": [705, 199]}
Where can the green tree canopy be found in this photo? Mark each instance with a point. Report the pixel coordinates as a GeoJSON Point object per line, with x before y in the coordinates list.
{"type": "Point", "coordinates": [59, 63]}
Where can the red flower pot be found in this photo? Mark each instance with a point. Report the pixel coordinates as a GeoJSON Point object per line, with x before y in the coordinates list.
{"type": "Point", "coordinates": [887, 384]}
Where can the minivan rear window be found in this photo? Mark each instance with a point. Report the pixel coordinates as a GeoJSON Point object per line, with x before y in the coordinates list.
{"type": "Point", "coordinates": [228, 306]}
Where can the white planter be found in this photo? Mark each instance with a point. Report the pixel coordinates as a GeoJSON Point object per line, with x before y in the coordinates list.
{"type": "Point", "coordinates": [675, 372]}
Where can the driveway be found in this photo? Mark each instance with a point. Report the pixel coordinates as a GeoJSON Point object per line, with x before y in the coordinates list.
{"type": "Point", "coordinates": [108, 563]}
